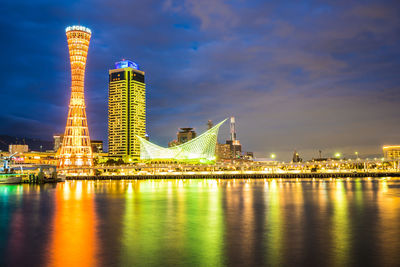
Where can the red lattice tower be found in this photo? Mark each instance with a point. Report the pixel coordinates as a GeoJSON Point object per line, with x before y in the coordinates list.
{"type": "Point", "coordinates": [76, 151]}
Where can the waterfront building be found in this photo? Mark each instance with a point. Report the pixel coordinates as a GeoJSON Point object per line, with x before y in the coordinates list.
{"type": "Point", "coordinates": [97, 146]}
{"type": "Point", "coordinates": [76, 150]}
{"type": "Point", "coordinates": [391, 152]}
{"type": "Point", "coordinates": [126, 110]}
{"type": "Point", "coordinates": [35, 157]}
{"type": "Point", "coordinates": [248, 155]}
{"type": "Point", "coordinates": [223, 151]}
{"type": "Point", "coordinates": [296, 157]}
{"type": "Point", "coordinates": [18, 148]}
{"type": "Point", "coordinates": [198, 150]}
{"type": "Point", "coordinates": [58, 139]}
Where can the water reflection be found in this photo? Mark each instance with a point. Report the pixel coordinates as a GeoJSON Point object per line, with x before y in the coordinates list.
{"type": "Point", "coordinates": [202, 222]}
{"type": "Point", "coordinates": [274, 223]}
{"type": "Point", "coordinates": [73, 231]}
{"type": "Point", "coordinates": [341, 234]}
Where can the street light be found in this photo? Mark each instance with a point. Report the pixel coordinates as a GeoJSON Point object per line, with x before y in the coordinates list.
{"type": "Point", "coordinates": [337, 155]}
{"type": "Point", "coordinates": [273, 156]}
{"type": "Point", "coordinates": [356, 154]}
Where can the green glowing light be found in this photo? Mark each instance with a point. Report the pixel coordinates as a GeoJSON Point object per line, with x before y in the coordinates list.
{"type": "Point", "coordinates": [200, 149]}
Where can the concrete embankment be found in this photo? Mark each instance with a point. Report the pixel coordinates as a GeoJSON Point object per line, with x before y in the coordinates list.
{"type": "Point", "coordinates": [240, 176]}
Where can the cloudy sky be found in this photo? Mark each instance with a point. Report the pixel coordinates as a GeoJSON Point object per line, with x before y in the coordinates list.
{"type": "Point", "coordinates": [305, 75]}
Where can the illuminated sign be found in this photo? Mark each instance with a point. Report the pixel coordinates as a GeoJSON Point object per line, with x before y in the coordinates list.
{"type": "Point", "coordinates": [77, 28]}
{"type": "Point", "coordinates": [126, 64]}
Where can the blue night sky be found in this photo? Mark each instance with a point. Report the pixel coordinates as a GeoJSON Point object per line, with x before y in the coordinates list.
{"type": "Point", "coordinates": [303, 75]}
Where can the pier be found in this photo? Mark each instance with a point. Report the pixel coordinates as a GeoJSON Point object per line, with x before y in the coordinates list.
{"type": "Point", "coordinates": [240, 176]}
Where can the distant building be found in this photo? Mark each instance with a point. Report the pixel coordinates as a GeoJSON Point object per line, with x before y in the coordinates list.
{"type": "Point", "coordinates": [248, 156]}
{"type": "Point", "coordinates": [172, 143]}
{"type": "Point", "coordinates": [18, 149]}
{"type": "Point", "coordinates": [97, 146]}
{"type": "Point", "coordinates": [236, 147]}
{"type": "Point", "coordinates": [126, 110]}
{"type": "Point", "coordinates": [296, 157]}
{"type": "Point", "coordinates": [58, 139]}
{"type": "Point", "coordinates": [185, 134]}
{"type": "Point", "coordinates": [209, 124]}
{"type": "Point", "coordinates": [391, 152]}
{"type": "Point", "coordinates": [223, 151]}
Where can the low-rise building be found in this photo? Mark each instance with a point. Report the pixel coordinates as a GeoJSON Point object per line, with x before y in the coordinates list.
{"type": "Point", "coordinates": [391, 152]}
{"type": "Point", "coordinates": [18, 148]}
{"type": "Point", "coordinates": [34, 157]}
{"type": "Point", "coordinates": [223, 151]}
{"type": "Point", "coordinates": [58, 139]}
{"type": "Point", "coordinates": [185, 134]}
{"type": "Point", "coordinates": [97, 146]}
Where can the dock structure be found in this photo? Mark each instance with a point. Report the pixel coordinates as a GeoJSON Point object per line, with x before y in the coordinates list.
{"type": "Point", "coordinates": [240, 176]}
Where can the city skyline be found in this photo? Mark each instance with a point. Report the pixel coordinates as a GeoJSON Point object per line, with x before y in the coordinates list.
{"type": "Point", "coordinates": [322, 78]}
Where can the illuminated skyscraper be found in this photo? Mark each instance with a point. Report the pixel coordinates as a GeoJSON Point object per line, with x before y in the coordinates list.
{"type": "Point", "coordinates": [126, 110]}
{"type": "Point", "coordinates": [75, 149]}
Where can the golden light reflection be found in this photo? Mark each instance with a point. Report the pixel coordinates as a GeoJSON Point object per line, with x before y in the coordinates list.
{"type": "Point", "coordinates": [73, 238]}
{"type": "Point", "coordinates": [389, 216]}
{"type": "Point", "coordinates": [274, 223]}
{"type": "Point", "coordinates": [341, 234]}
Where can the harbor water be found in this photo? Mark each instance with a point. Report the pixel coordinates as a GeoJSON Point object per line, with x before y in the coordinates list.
{"type": "Point", "coordinates": [202, 222]}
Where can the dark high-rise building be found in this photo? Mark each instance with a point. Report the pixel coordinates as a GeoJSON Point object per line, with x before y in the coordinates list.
{"type": "Point", "coordinates": [97, 146]}
{"type": "Point", "coordinates": [185, 134]}
{"type": "Point", "coordinates": [296, 157]}
{"type": "Point", "coordinates": [223, 151]}
{"type": "Point", "coordinates": [210, 124]}
{"type": "Point", "coordinates": [236, 147]}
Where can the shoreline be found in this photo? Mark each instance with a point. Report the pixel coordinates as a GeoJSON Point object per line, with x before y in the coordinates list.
{"type": "Point", "coordinates": [240, 176]}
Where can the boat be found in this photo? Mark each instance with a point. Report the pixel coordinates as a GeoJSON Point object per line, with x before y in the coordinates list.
{"type": "Point", "coordinates": [10, 178]}
{"type": "Point", "coordinates": [7, 174]}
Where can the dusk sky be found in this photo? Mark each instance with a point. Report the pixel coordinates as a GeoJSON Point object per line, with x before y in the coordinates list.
{"type": "Point", "coordinates": [304, 75]}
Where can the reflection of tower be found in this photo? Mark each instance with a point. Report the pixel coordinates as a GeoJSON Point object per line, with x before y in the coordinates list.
{"type": "Point", "coordinates": [76, 150]}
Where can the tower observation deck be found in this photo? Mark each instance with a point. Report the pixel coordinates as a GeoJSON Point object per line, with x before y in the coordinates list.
{"type": "Point", "coordinates": [75, 150]}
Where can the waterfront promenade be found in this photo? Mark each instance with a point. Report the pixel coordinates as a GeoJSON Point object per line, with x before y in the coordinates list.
{"type": "Point", "coordinates": [355, 168]}
{"type": "Point", "coordinates": [237, 175]}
